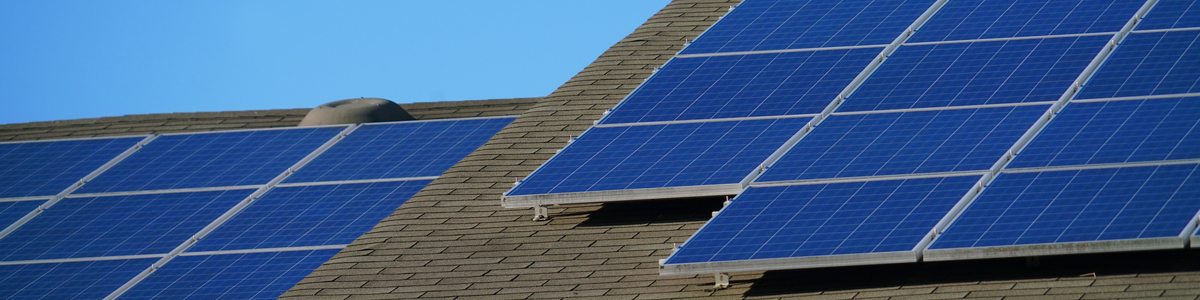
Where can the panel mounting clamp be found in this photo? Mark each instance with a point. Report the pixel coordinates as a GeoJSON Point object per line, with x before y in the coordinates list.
{"type": "Point", "coordinates": [540, 213]}
{"type": "Point", "coordinates": [721, 280]}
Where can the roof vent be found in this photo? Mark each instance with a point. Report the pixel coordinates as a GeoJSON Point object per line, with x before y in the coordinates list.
{"type": "Point", "coordinates": [353, 111]}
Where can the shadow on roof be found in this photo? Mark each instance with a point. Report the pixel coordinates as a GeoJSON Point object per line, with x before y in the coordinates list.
{"type": "Point", "coordinates": [652, 211]}
{"type": "Point", "coordinates": [1007, 269]}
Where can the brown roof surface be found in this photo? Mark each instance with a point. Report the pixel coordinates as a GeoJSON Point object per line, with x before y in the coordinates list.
{"type": "Point", "coordinates": [454, 240]}
{"type": "Point", "coordinates": [209, 121]}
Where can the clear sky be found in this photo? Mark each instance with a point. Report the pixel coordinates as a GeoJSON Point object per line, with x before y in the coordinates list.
{"type": "Point", "coordinates": [78, 59]}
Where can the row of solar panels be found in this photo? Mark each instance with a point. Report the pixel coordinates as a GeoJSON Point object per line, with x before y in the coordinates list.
{"type": "Point", "coordinates": [861, 132]}
{"type": "Point", "coordinates": [234, 214]}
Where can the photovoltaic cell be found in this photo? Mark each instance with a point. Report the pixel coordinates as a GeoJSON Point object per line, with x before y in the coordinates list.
{"type": "Point", "coordinates": [1078, 206]}
{"type": "Point", "coordinates": [396, 150]}
{"type": "Point", "coordinates": [229, 276]}
{"type": "Point", "coordinates": [904, 143]}
{"type": "Point", "coordinates": [1117, 132]}
{"type": "Point", "coordinates": [310, 216]}
{"type": "Point", "coordinates": [71, 280]}
{"type": "Point", "coordinates": [743, 86]}
{"type": "Point", "coordinates": [1172, 14]}
{"type": "Point", "coordinates": [784, 24]}
{"type": "Point", "coordinates": [10, 212]}
{"type": "Point", "coordinates": [980, 19]}
{"type": "Point", "coordinates": [211, 160]}
{"type": "Point", "coordinates": [825, 219]}
{"type": "Point", "coordinates": [1149, 64]}
{"type": "Point", "coordinates": [116, 225]}
{"type": "Point", "coordinates": [47, 168]}
{"type": "Point", "coordinates": [689, 154]}
{"type": "Point", "coordinates": [976, 73]}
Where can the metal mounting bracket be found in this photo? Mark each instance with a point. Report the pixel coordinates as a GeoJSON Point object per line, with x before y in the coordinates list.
{"type": "Point", "coordinates": [540, 213]}
{"type": "Point", "coordinates": [721, 280]}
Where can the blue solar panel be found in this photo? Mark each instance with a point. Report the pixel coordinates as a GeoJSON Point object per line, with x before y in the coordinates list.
{"type": "Point", "coordinates": [211, 160]}
{"type": "Point", "coordinates": [690, 154]}
{"type": "Point", "coordinates": [825, 219]}
{"type": "Point", "coordinates": [976, 73]}
{"type": "Point", "coordinates": [1149, 64]}
{"type": "Point", "coordinates": [743, 85]}
{"type": "Point", "coordinates": [905, 143]}
{"type": "Point", "coordinates": [10, 212]}
{"type": "Point", "coordinates": [310, 216]}
{"type": "Point", "coordinates": [1078, 206]}
{"type": "Point", "coordinates": [47, 168]}
{"type": "Point", "coordinates": [116, 225]}
{"type": "Point", "coordinates": [72, 280]}
{"type": "Point", "coordinates": [786, 24]}
{"type": "Point", "coordinates": [1172, 14]}
{"type": "Point", "coordinates": [1116, 132]}
{"type": "Point", "coordinates": [980, 19]}
{"type": "Point", "coordinates": [229, 276]}
{"type": "Point", "coordinates": [396, 150]}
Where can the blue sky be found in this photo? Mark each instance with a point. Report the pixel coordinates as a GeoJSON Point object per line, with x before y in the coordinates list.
{"type": "Point", "coordinates": [80, 59]}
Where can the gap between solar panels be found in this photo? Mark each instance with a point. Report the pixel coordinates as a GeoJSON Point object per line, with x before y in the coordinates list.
{"type": "Point", "coordinates": [692, 258]}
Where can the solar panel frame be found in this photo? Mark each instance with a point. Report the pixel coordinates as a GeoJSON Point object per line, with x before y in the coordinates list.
{"type": "Point", "coordinates": [112, 183]}
{"type": "Point", "coordinates": [13, 211]}
{"type": "Point", "coordinates": [831, 260]}
{"type": "Point", "coordinates": [1179, 240]}
{"type": "Point", "coordinates": [75, 280]}
{"type": "Point", "coordinates": [136, 140]}
{"type": "Point", "coordinates": [1018, 14]}
{"type": "Point", "coordinates": [1171, 58]}
{"type": "Point", "coordinates": [511, 200]}
{"type": "Point", "coordinates": [1169, 14]}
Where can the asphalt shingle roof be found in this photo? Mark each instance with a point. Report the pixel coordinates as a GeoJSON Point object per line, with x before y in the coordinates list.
{"type": "Point", "coordinates": [454, 240]}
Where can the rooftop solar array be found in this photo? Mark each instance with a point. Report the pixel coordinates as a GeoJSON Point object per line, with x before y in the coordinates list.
{"type": "Point", "coordinates": [982, 128]}
{"type": "Point", "coordinates": [47, 168]}
{"type": "Point", "coordinates": [212, 215]}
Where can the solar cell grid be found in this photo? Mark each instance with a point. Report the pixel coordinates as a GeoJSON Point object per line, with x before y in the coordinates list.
{"type": "Point", "coordinates": [398, 150]}
{"type": "Point", "coordinates": [1078, 206]}
{"type": "Point", "coordinates": [310, 216]}
{"type": "Point", "coordinates": [825, 219]}
{"type": "Point", "coordinates": [689, 154]}
{"type": "Point", "coordinates": [1147, 64]}
{"type": "Point", "coordinates": [981, 19]}
{"type": "Point", "coordinates": [742, 86]}
{"type": "Point", "coordinates": [1172, 14]}
{"type": "Point", "coordinates": [229, 276]}
{"type": "Point", "coordinates": [1117, 132]}
{"type": "Point", "coordinates": [904, 143]}
{"type": "Point", "coordinates": [71, 280]}
{"type": "Point", "coordinates": [10, 212]}
{"type": "Point", "coordinates": [47, 168]}
{"type": "Point", "coordinates": [211, 159]}
{"type": "Point", "coordinates": [116, 225]}
{"type": "Point", "coordinates": [976, 73]}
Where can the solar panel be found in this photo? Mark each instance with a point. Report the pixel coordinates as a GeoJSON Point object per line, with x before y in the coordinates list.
{"type": "Point", "coordinates": [1075, 211]}
{"type": "Point", "coordinates": [980, 19]}
{"type": "Point", "coordinates": [401, 149]}
{"type": "Point", "coordinates": [47, 168]}
{"type": "Point", "coordinates": [10, 212]}
{"type": "Point", "coordinates": [904, 143]}
{"type": "Point", "coordinates": [310, 215]}
{"type": "Point", "coordinates": [1149, 64]}
{"type": "Point", "coordinates": [742, 86]}
{"type": "Point", "coordinates": [658, 156]}
{"type": "Point", "coordinates": [116, 225]}
{"type": "Point", "coordinates": [232, 276]}
{"type": "Point", "coordinates": [976, 73]}
{"type": "Point", "coordinates": [217, 159]}
{"type": "Point", "coordinates": [1117, 132]}
{"type": "Point", "coordinates": [804, 226]}
{"type": "Point", "coordinates": [69, 280]}
{"type": "Point", "coordinates": [781, 24]}
{"type": "Point", "coordinates": [1172, 14]}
